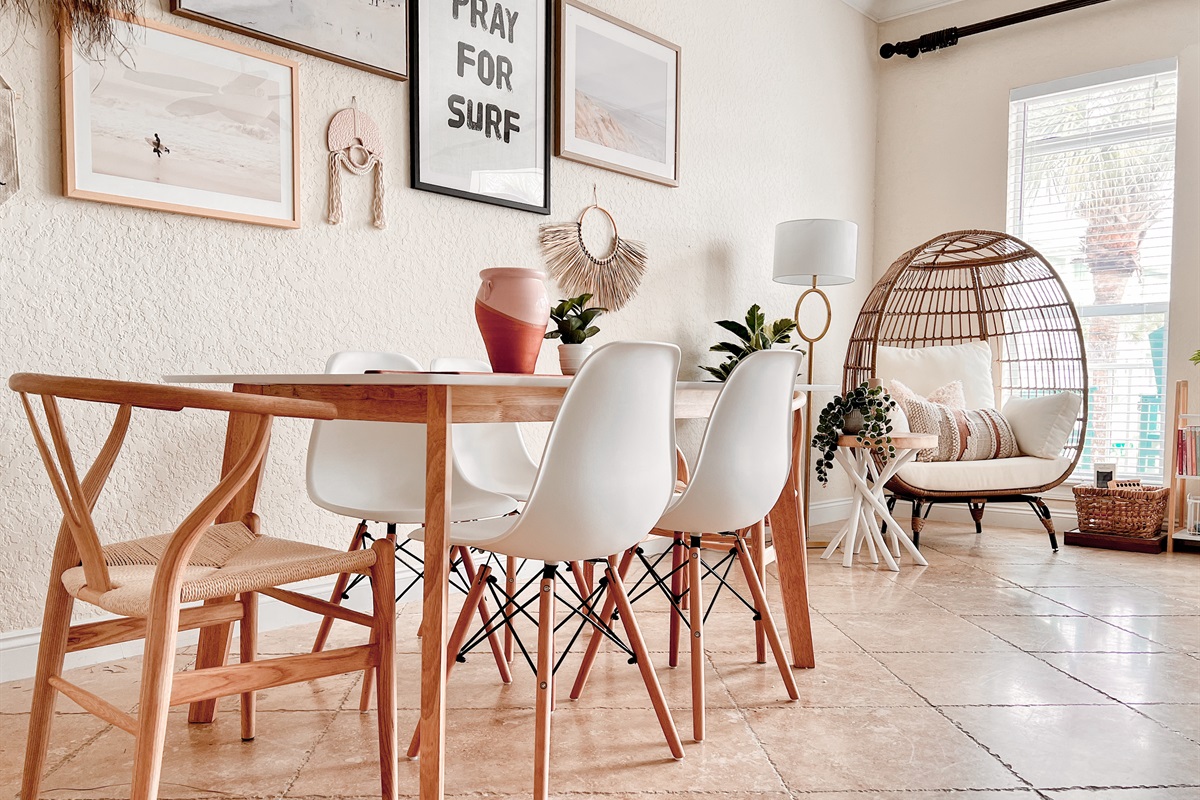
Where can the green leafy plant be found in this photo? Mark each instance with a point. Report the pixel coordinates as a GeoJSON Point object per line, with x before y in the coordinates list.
{"type": "Point", "coordinates": [875, 405]}
{"type": "Point", "coordinates": [754, 335]}
{"type": "Point", "coordinates": [1196, 358]}
{"type": "Point", "coordinates": [574, 321]}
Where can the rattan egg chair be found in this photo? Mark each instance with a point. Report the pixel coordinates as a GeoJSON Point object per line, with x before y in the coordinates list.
{"type": "Point", "coordinates": [970, 286]}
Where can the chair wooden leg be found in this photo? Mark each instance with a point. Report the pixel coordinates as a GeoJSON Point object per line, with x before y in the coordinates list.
{"type": "Point", "coordinates": [485, 615]}
{"type": "Point", "coordinates": [383, 596]}
{"type": "Point", "coordinates": [696, 611]}
{"type": "Point", "coordinates": [638, 644]}
{"type": "Point", "coordinates": [248, 646]}
{"type": "Point", "coordinates": [56, 625]}
{"type": "Point", "coordinates": [510, 586]}
{"type": "Point", "coordinates": [595, 638]}
{"type": "Point", "coordinates": [212, 650]}
{"type": "Point", "coordinates": [758, 548]}
{"type": "Point", "coordinates": [158, 667]}
{"type": "Point", "coordinates": [364, 700]}
{"type": "Point", "coordinates": [764, 611]}
{"type": "Point", "coordinates": [545, 684]}
{"type": "Point", "coordinates": [457, 636]}
{"type": "Point", "coordinates": [339, 588]}
{"type": "Point", "coordinates": [677, 567]}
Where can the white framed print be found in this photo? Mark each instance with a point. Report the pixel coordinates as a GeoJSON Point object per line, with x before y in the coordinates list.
{"type": "Point", "coordinates": [479, 89]}
{"type": "Point", "coordinates": [177, 121]}
{"type": "Point", "coordinates": [618, 100]}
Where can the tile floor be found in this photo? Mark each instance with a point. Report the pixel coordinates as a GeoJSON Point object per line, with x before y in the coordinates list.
{"type": "Point", "coordinates": [1001, 671]}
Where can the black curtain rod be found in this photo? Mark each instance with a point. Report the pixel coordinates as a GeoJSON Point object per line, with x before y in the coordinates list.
{"type": "Point", "coordinates": [948, 37]}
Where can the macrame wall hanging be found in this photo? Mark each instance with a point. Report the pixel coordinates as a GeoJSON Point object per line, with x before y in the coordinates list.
{"type": "Point", "coordinates": [10, 180]}
{"type": "Point", "coordinates": [612, 280]}
{"type": "Point", "coordinates": [354, 143]}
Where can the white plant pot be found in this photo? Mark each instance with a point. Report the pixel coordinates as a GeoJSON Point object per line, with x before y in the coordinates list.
{"type": "Point", "coordinates": [571, 357]}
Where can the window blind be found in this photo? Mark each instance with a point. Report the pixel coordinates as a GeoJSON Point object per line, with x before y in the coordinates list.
{"type": "Point", "coordinates": [1091, 185]}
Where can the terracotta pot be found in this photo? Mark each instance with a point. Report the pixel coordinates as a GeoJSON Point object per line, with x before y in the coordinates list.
{"type": "Point", "coordinates": [512, 310]}
{"type": "Point", "coordinates": [571, 357]}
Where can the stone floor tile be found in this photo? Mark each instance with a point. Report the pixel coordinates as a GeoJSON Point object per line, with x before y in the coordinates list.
{"type": "Point", "coordinates": [1134, 677]}
{"type": "Point", "coordinates": [1177, 633]}
{"type": "Point", "coordinates": [1053, 574]}
{"type": "Point", "coordinates": [877, 598]}
{"type": "Point", "coordinates": [916, 633]}
{"type": "Point", "coordinates": [1184, 719]}
{"type": "Point", "coordinates": [867, 749]}
{"type": "Point", "coordinates": [1066, 635]}
{"type": "Point", "coordinates": [1118, 601]}
{"type": "Point", "coordinates": [1068, 746]}
{"type": "Point", "coordinates": [1157, 793]}
{"type": "Point", "coordinates": [69, 734]}
{"type": "Point", "coordinates": [199, 759]}
{"type": "Point", "coordinates": [1007, 679]}
{"type": "Point", "coordinates": [839, 680]}
{"type": "Point", "coordinates": [992, 601]}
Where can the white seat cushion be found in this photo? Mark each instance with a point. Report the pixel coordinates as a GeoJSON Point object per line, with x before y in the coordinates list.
{"type": "Point", "coordinates": [1042, 425]}
{"type": "Point", "coordinates": [1001, 474]}
{"type": "Point", "coordinates": [926, 369]}
{"type": "Point", "coordinates": [477, 533]}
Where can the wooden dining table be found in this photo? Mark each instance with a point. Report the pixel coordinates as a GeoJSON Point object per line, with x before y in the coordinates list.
{"type": "Point", "coordinates": [439, 400]}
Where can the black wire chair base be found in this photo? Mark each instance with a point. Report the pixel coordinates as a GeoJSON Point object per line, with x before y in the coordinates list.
{"type": "Point", "coordinates": [581, 607]}
{"type": "Point", "coordinates": [414, 563]}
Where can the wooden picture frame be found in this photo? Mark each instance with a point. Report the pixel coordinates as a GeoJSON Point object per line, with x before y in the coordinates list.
{"type": "Point", "coordinates": [504, 87]}
{"type": "Point", "coordinates": [350, 53]}
{"type": "Point", "coordinates": [599, 126]}
{"type": "Point", "coordinates": [230, 113]}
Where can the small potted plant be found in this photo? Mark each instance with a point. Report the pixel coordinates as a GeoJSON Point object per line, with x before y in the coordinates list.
{"type": "Point", "coordinates": [754, 335]}
{"type": "Point", "coordinates": [865, 413]}
{"type": "Point", "coordinates": [573, 324]}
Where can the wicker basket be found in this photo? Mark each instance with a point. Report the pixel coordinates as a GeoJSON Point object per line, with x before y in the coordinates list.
{"type": "Point", "coordinates": [1127, 512]}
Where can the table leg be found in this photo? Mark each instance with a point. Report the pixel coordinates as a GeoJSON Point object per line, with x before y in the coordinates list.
{"type": "Point", "coordinates": [212, 650]}
{"type": "Point", "coordinates": [881, 508]}
{"type": "Point", "coordinates": [791, 558]}
{"type": "Point", "coordinates": [436, 590]}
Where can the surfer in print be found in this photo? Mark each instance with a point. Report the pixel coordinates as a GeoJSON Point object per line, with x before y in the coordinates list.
{"type": "Point", "coordinates": [157, 146]}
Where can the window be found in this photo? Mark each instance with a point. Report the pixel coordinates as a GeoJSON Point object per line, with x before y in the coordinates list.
{"type": "Point", "coordinates": [1091, 185]}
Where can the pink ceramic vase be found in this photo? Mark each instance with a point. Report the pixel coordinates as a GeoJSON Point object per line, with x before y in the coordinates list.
{"type": "Point", "coordinates": [512, 310]}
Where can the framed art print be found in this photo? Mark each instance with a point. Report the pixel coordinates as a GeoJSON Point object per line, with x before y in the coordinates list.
{"type": "Point", "coordinates": [366, 34]}
{"type": "Point", "coordinates": [177, 121]}
{"type": "Point", "coordinates": [618, 102]}
{"type": "Point", "coordinates": [479, 83]}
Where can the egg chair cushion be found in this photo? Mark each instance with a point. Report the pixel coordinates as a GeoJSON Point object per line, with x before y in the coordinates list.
{"type": "Point", "coordinates": [1013, 475]}
{"type": "Point", "coordinates": [925, 369]}
{"type": "Point", "coordinates": [1042, 425]}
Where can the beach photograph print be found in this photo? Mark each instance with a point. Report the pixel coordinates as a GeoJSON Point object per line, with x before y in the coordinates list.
{"type": "Point", "coordinates": [366, 34]}
{"type": "Point", "coordinates": [185, 124]}
{"type": "Point", "coordinates": [619, 103]}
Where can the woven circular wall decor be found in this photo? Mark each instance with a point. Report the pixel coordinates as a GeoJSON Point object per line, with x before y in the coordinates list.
{"type": "Point", "coordinates": [612, 280]}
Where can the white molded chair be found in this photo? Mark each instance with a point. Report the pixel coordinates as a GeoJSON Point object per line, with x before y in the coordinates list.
{"type": "Point", "coordinates": [619, 411]}
{"type": "Point", "coordinates": [492, 457]}
{"type": "Point", "coordinates": [375, 472]}
{"type": "Point", "coordinates": [744, 461]}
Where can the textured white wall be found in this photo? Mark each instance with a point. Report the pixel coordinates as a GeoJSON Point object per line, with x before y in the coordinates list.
{"type": "Point", "coordinates": [943, 125]}
{"type": "Point", "coordinates": [778, 122]}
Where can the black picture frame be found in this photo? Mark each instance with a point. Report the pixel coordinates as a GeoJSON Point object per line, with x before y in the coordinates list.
{"type": "Point", "coordinates": [439, 104]}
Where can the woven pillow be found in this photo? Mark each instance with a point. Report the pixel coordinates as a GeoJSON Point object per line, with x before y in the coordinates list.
{"type": "Point", "coordinates": [963, 434]}
{"type": "Point", "coordinates": [949, 395]}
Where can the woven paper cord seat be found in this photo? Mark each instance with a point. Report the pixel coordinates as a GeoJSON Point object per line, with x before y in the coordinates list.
{"type": "Point", "coordinates": [229, 560]}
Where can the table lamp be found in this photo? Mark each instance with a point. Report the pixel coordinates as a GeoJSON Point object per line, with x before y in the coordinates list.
{"type": "Point", "coordinates": [825, 253]}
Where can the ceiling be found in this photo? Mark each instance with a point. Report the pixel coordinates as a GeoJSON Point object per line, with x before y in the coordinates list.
{"type": "Point", "coordinates": [884, 10]}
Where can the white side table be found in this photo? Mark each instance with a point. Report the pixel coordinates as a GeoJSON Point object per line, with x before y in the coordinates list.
{"type": "Point", "coordinates": [868, 481]}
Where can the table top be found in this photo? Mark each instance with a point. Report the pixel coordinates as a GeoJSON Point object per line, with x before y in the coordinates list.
{"type": "Point", "coordinates": [428, 379]}
{"type": "Point", "coordinates": [901, 441]}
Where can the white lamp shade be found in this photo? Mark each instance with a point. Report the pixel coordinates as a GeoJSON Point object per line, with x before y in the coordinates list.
{"type": "Point", "coordinates": [825, 249]}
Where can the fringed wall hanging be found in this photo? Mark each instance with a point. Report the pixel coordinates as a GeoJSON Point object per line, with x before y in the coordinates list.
{"type": "Point", "coordinates": [356, 144]}
{"type": "Point", "coordinates": [10, 179]}
{"type": "Point", "coordinates": [612, 280]}
{"type": "Point", "coordinates": [92, 23]}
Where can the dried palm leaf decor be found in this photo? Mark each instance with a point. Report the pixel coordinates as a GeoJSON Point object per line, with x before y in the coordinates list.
{"type": "Point", "coordinates": [89, 21]}
{"type": "Point", "coordinates": [612, 281]}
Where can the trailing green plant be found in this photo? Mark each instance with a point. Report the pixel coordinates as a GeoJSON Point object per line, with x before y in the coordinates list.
{"type": "Point", "coordinates": [574, 321]}
{"type": "Point", "coordinates": [1196, 358]}
{"type": "Point", "coordinates": [875, 405]}
{"type": "Point", "coordinates": [754, 335]}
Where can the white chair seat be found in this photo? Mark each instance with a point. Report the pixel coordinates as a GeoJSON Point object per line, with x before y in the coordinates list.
{"type": "Point", "coordinates": [469, 503]}
{"type": "Point", "coordinates": [999, 474]}
{"type": "Point", "coordinates": [478, 534]}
